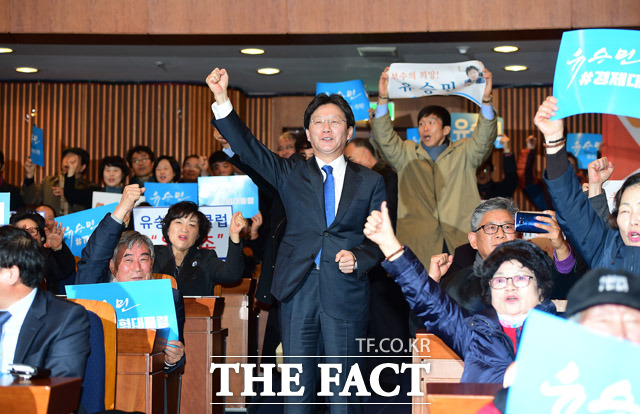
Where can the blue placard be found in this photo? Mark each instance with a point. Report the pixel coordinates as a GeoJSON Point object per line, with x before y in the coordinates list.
{"type": "Point", "coordinates": [37, 146]}
{"type": "Point", "coordinates": [79, 226]}
{"type": "Point", "coordinates": [166, 195]}
{"type": "Point", "coordinates": [353, 92]}
{"type": "Point", "coordinates": [584, 147]}
{"type": "Point", "coordinates": [598, 71]}
{"type": "Point", "coordinates": [237, 191]}
{"type": "Point", "coordinates": [463, 124]}
{"type": "Point", "coordinates": [413, 135]}
{"type": "Point", "coordinates": [563, 367]}
{"type": "Point", "coordinates": [5, 203]}
{"type": "Point", "coordinates": [142, 304]}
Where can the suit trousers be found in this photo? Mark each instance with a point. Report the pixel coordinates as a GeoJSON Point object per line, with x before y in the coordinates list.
{"type": "Point", "coordinates": [310, 337]}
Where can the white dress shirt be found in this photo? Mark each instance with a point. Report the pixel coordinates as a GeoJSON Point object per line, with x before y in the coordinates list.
{"type": "Point", "coordinates": [11, 329]}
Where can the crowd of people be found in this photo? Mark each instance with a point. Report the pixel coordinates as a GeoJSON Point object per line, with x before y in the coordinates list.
{"type": "Point", "coordinates": [339, 214]}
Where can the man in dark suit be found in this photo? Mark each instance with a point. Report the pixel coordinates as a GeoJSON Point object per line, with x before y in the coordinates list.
{"type": "Point", "coordinates": [320, 276]}
{"type": "Point", "coordinates": [36, 328]}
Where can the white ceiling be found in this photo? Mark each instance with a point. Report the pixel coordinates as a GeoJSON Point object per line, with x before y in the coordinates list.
{"type": "Point", "coordinates": [301, 65]}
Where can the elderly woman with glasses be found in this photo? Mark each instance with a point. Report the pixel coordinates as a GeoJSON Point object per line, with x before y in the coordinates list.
{"type": "Point", "coordinates": [515, 278]}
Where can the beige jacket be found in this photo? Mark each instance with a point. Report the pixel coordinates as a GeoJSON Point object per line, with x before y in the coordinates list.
{"type": "Point", "coordinates": [435, 200]}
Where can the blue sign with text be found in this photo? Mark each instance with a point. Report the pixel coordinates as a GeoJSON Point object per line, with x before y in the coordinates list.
{"type": "Point", "coordinates": [237, 191]}
{"type": "Point", "coordinates": [584, 147]}
{"type": "Point", "coordinates": [353, 92]}
{"type": "Point", "coordinates": [598, 71]}
{"type": "Point", "coordinates": [142, 304]}
{"type": "Point", "coordinates": [565, 368]}
{"type": "Point", "coordinates": [166, 195]}
{"type": "Point", "coordinates": [37, 146]}
{"type": "Point", "coordinates": [79, 226]}
{"type": "Point", "coordinates": [5, 203]}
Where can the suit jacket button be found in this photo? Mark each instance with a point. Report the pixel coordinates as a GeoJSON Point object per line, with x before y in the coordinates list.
{"type": "Point", "coordinates": [325, 234]}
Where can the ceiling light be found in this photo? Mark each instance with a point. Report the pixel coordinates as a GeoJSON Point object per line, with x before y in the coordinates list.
{"type": "Point", "coordinates": [506, 49]}
{"type": "Point", "coordinates": [268, 71]}
{"type": "Point", "coordinates": [515, 68]}
{"type": "Point", "coordinates": [5, 50]}
{"type": "Point", "coordinates": [25, 69]}
{"type": "Point", "coordinates": [252, 51]}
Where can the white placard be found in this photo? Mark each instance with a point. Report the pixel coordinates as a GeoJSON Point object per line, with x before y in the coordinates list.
{"type": "Point", "coordinates": [104, 198]}
{"type": "Point", "coordinates": [148, 221]}
{"type": "Point", "coordinates": [611, 187]}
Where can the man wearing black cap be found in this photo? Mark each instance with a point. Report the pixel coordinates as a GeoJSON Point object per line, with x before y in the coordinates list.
{"type": "Point", "coordinates": [51, 189]}
{"type": "Point", "coordinates": [607, 301]}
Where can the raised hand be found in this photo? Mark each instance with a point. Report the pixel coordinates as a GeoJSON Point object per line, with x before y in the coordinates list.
{"type": "Point", "coordinates": [218, 82]}
{"type": "Point", "coordinates": [378, 229]}
{"type": "Point", "coordinates": [383, 86]}
{"type": "Point", "coordinates": [218, 137]}
{"type": "Point", "coordinates": [552, 130]}
{"type": "Point", "coordinates": [506, 143]}
{"type": "Point", "coordinates": [235, 227]}
{"type": "Point", "coordinates": [130, 196]}
{"type": "Point", "coordinates": [29, 168]}
{"type": "Point", "coordinates": [54, 237]}
{"type": "Point", "coordinates": [554, 234]}
{"type": "Point", "coordinates": [488, 77]}
{"type": "Point", "coordinates": [439, 265]}
{"type": "Point", "coordinates": [256, 223]}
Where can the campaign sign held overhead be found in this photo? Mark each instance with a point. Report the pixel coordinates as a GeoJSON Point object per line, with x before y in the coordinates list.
{"type": "Point", "coordinates": [142, 304]}
{"type": "Point", "coordinates": [598, 71]}
{"type": "Point", "coordinates": [79, 226]}
{"type": "Point", "coordinates": [415, 80]}
{"type": "Point", "coordinates": [237, 191]}
{"type": "Point", "coordinates": [353, 92]}
{"type": "Point", "coordinates": [584, 147]}
{"type": "Point", "coordinates": [37, 146]}
{"type": "Point", "coordinates": [168, 194]}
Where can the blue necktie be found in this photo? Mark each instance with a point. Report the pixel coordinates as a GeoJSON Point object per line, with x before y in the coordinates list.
{"type": "Point", "coordinates": [4, 317]}
{"type": "Point", "coordinates": [329, 201]}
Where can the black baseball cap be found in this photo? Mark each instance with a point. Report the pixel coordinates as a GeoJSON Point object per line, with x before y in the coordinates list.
{"type": "Point", "coordinates": [604, 286]}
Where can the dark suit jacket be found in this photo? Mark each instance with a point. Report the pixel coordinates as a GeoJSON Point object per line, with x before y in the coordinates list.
{"type": "Point", "coordinates": [300, 183]}
{"type": "Point", "coordinates": [201, 269]}
{"type": "Point", "coordinates": [55, 336]}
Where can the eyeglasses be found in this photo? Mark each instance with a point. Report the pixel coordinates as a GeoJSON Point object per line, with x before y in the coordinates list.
{"type": "Point", "coordinates": [507, 228]}
{"type": "Point", "coordinates": [140, 160]}
{"type": "Point", "coordinates": [333, 121]}
{"type": "Point", "coordinates": [518, 281]}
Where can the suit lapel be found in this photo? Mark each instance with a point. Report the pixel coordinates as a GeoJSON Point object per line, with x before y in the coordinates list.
{"type": "Point", "coordinates": [317, 182]}
{"type": "Point", "coordinates": [30, 326]}
{"type": "Point", "coordinates": [350, 186]}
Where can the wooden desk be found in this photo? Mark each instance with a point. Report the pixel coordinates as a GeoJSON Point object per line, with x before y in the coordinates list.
{"type": "Point", "coordinates": [204, 343]}
{"type": "Point", "coordinates": [44, 395]}
{"type": "Point", "coordinates": [459, 398]}
{"type": "Point", "coordinates": [239, 318]}
{"type": "Point", "coordinates": [139, 372]}
{"type": "Point", "coordinates": [446, 366]}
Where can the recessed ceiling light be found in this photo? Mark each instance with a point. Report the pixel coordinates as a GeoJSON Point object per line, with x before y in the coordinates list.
{"type": "Point", "coordinates": [252, 51]}
{"type": "Point", "coordinates": [506, 49]}
{"type": "Point", "coordinates": [268, 71]}
{"type": "Point", "coordinates": [515, 68]}
{"type": "Point", "coordinates": [25, 69]}
{"type": "Point", "coordinates": [6, 50]}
